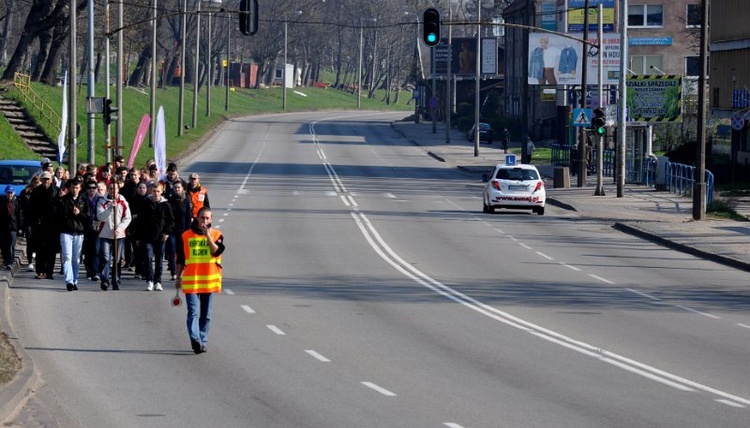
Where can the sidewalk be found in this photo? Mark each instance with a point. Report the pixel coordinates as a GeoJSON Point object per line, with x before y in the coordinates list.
{"type": "Point", "coordinates": [661, 217]}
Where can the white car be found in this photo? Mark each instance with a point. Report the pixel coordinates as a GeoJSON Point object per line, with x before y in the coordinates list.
{"type": "Point", "coordinates": [518, 186]}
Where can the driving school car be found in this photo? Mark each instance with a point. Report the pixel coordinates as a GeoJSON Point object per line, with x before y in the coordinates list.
{"type": "Point", "coordinates": [514, 186]}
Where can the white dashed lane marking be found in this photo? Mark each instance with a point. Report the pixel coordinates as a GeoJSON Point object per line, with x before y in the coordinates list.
{"type": "Point", "coordinates": [379, 389]}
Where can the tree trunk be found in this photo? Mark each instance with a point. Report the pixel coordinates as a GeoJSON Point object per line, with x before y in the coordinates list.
{"type": "Point", "coordinates": [45, 42]}
{"type": "Point", "coordinates": [49, 74]}
{"type": "Point", "coordinates": [43, 15]}
{"type": "Point", "coordinates": [140, 67]}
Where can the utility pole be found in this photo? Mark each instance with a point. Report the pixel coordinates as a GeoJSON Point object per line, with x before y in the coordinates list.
{"type": "Point", "coordinates": [90, 83]}
{"type": "Point", "coordinates": [600, 143]}
{"type": "Point", "coordinates": [447, 103]}
{"type": "Point", "coordinates": [477, 83]}
{"type": "Point", "coordinates": [72, 104]}
{"type": "Point", "coordinates": [622, 101]}
{"type": "Point", "coordinates": [584, 96]}
{"type": "Point", "coordinates": [699, 189]}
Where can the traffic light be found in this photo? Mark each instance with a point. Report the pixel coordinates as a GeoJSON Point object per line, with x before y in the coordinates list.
{"type": "Point", "coordinates": [431, 27]}
{"type": "Point", "coordinates": [109, 111]}
{"type": "Point", "coordinates": [248, 17]}
{"type": "Point", "coordinates": [598, 122]}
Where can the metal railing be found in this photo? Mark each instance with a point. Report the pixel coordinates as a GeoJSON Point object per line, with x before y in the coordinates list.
{"type": "Point", "coordinates": [50, 119]}
{"type": "Point", "coordinates": [677, 178]}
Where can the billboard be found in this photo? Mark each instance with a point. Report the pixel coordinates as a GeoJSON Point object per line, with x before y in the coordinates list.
{"type": "Point", "coordinates": [557, 60]}
{"type": "Point", "coordinates": [576, 15]}
{"type": "Point", "coordinates": [654, 98]}
{"type": "Point", "coordinates": [463, 56]}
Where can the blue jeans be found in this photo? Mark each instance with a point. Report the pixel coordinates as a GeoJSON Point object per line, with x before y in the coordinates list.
{"type": "Point", "coordinates": [8, 246]}
{"type": "Point", "coordinates": [105, 258]}
{"type": "Point", "coordinates": [199, 315]}
{"type": "Point", "coordinates": [71, 247]}
{"type": "Point", "coordinates": [155, 252]}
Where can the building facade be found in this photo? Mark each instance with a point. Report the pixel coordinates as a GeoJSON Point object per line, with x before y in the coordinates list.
{"type": "Point", "coordinates": [729, 71]}
{"type": "Point", "coordinates": [663, 38]}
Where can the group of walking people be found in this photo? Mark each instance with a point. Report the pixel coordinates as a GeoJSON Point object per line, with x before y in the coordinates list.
{"type": "Point", "coordinates": [102, 218]}
{"type": "Point", "coordinates": [112, 217]}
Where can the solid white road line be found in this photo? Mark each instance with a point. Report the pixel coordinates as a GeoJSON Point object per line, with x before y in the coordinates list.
{"type": "Point", "coordinates": [453, 425]}
{"type": "Point", "coordinates": [379, 389]}
{"type": "Point", "coordinates": [317, 356]}
{"type": "Point", "coordinates": [730, 403]}
{"type": "Point", "coordinates": [743, 325]}
{"type": "Point", "coordinates": [600, 278]}
{"type": "Point", "coordinates": [247, 309]}
{"type": "Point", "coordinates": [698, 312]}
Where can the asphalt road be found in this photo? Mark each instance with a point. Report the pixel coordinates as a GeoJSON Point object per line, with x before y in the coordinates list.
{"type": "Point", "coordinates": [364, 287]}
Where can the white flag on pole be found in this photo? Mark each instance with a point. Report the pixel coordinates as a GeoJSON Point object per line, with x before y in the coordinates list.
{"type": "Point", "coordinates": [160, 144]}
{"type": "Point", "coordinates": [64, 120]}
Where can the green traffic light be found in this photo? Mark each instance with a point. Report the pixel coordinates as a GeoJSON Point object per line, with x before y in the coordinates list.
{"type": "Point", "coordinates": [431, 38]}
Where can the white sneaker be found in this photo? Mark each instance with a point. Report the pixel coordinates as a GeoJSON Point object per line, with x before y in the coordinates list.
{"type": "Point", "coordinates": [158, 286]}
{"type": "Point", "coordinates": [30, 268]}
{"type": "Point", "coordinates": [150, 286]}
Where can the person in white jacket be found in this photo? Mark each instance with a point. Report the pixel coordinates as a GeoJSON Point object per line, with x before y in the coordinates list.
{"type": "Point", "coordinates": [115, 216]}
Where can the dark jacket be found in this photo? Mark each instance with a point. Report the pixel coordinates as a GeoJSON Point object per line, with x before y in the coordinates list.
{"type": "Point", "coordinates": [68, 222]}
{"type": "Point", "coordinates": [183, 213]}
{"type": "Point", "coordinates": [155, 219]}
{"type": "Point", "coordinates": [10, 214]}
{"type": "Point", "coordinates": [41, 213]}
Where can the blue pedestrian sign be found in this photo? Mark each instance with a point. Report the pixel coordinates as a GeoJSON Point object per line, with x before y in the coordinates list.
{"type": "Point", "coordinates": [581, 117]}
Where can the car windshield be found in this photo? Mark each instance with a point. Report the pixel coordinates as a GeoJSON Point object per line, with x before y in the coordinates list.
{"type": "Point", "coordinates": [17, 174]}
{"type": "Point", "coordinates": [484, 127]}
{"type": "Point", "coordinates": [518, 174]}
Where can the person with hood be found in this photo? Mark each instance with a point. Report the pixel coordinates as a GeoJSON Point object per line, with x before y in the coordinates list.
{"type": "Point", "coordinates": [114, 214]}
{"type": "Point", "coordinates": [73, 218]}
{"type": "Point", "coordinates": [91, 236]}
{"type": "Point", "coordinates": [10, 224]}
{"type": "Point", "coordinates": [154, 230]}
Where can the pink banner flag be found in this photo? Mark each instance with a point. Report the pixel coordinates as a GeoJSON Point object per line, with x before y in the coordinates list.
{"type": "Point", "coordinates": [138, 140]}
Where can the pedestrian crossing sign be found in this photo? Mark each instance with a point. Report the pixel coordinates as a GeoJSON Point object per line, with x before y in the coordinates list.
{"type": "Point", "coordinates": [581, 117]}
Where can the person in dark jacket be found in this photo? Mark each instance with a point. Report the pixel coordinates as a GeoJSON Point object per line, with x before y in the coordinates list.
{"type": "Point", "coordinates": [73, 219]}
{"type": "Point", "coordinates": [9, 226]}
{"type": "Point", "coordinates": [153, 231]}
{"type": "Point", "coordinates": [183, 215]}
{"type": "Point", "coordinates": [24, 222]}
{"type": "Point", "coordinates": [43, 225]}
{"type": "Point", "coordinates": [137, 204]}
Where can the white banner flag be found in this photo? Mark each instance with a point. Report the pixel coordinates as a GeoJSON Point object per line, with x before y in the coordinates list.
{"type": "Point", "coordinates": [64, 120]}
{"type": "Point", "coordinates": [160, 145]}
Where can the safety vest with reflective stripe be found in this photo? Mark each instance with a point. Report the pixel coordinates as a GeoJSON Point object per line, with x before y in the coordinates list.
{"type": "Point", "coordinates": [198, 199]}
{"type": "Point", "coordinates": [202, 272]}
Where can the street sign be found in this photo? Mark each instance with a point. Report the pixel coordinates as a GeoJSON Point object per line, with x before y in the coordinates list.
{"type": "Point", "coordinates": [510, 159]}
{"type": "Point", "coordinates": [738, 123]}
{"type": "Point", "coordinates": [581, 117]}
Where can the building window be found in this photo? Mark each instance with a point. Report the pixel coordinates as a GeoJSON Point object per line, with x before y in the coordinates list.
{"type": "Point", "coordinates": [694, 17]}
{"type": "Point", "coordinates": [645, 15]}
{"type": "Point", "coordinates": [692, 66]}
{"type": "Point", "coordinates": [646, 64]}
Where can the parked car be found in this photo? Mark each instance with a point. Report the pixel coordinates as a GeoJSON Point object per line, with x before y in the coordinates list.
{"type": "Point", "coordinates": [18, 173]}
{"type": "Point", "coordinates": [485, 133]}
{"type": "Point", "coordinates": [516, 187]}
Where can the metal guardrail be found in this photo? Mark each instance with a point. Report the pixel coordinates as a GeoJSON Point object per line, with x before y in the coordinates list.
{"type": "Point", "coordinates": [51, 119]}
{"type": "Point", "coordinates": [678, 178]}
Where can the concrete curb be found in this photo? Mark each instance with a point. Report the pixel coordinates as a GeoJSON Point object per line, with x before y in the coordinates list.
{"type": "Point", "coordinates": [14, 393]}
{"type": "Point", "coordinates": [634, 230]}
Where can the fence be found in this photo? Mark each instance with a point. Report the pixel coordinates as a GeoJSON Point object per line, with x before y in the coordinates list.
{"type": "Point", "coordinates": [677, 178]}
{"type": "Point", "coordinates": [51, 119]}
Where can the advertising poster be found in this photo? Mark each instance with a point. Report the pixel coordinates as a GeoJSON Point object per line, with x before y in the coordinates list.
{"type": "Point", "coordinates": [557, 60]}
{"type": "Point", "coordinates": [654, 98]}
{"type": "Point", "coordinates": [464, 56]}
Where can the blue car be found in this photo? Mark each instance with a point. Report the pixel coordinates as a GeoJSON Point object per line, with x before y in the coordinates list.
{"type": "Point", "coordinates": [18, 173]}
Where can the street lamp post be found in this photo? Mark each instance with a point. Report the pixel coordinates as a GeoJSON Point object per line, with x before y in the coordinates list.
{"type": "Point", "coordinates": [183, 31]}
{"type": "Point", "coordinates": [196, 74]}
{"type": "Point", "coordinates": [152, 129]}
